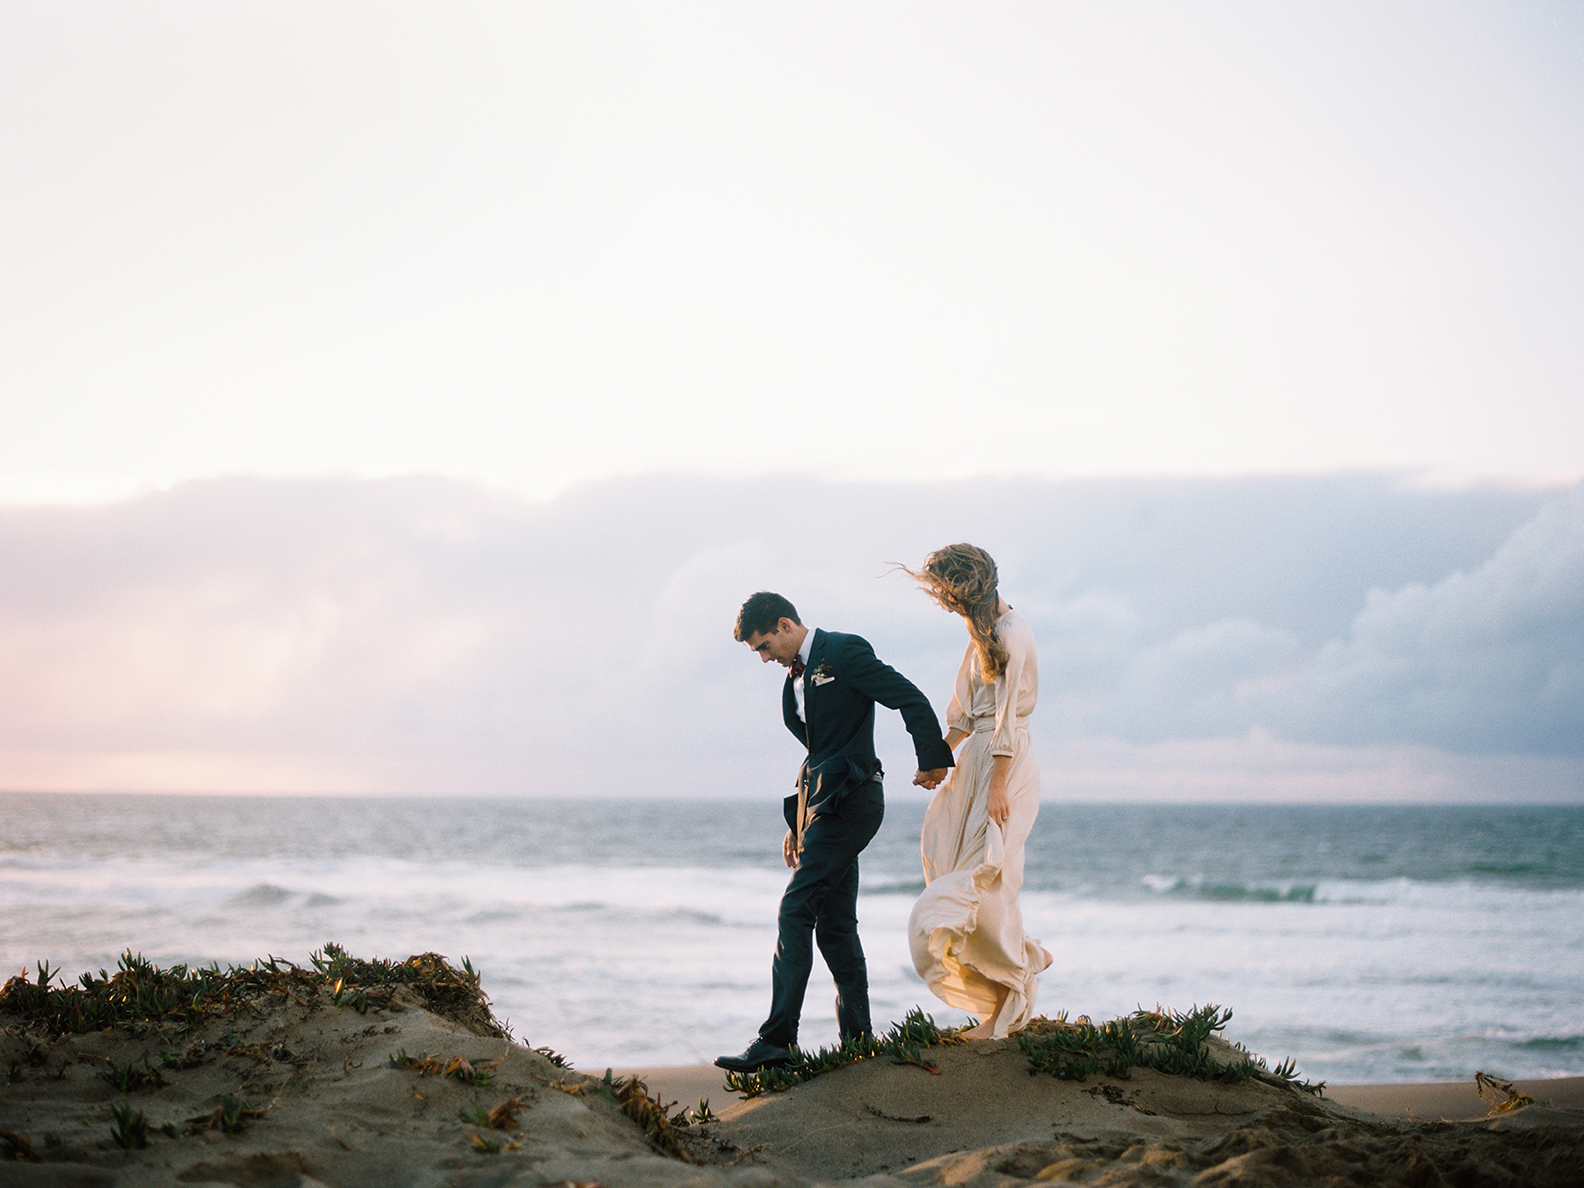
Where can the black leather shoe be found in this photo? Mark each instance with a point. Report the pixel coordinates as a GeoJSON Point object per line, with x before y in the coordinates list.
{"type": "Point", "coordinates": [759, 1055]}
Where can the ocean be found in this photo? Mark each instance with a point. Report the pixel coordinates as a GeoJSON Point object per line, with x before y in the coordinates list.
{"type": "Point", "coordinates": [1367, 944]}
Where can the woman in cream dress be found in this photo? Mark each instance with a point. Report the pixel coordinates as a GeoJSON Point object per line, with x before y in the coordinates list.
{"type": "Point", "coordinates": [966, 930]}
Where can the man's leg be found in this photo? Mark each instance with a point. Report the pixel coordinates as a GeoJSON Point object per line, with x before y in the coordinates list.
{"type": "Point", "coordinates": [837, 937]}
{"type": "Point", "coordinates": [837, 929]}
{"type": "Point", "coordinates": [826, 881]}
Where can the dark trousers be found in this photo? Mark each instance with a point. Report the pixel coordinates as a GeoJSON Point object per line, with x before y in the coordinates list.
{"type": "Point", "coordinates": [821, 904]}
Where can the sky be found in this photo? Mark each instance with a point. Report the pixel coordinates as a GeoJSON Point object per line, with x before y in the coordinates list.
{"type": "Point", "coordinates": [298, 301]}
{"type": "Point", "coordinates": [536, 244]}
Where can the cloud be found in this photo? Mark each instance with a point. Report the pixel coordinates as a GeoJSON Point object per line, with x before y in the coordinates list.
{"type": "Point", "coordinates": [1192, 685]}
{"type": "Point", "coordinates": [1485, 661]}
{"type": "Point", "coordinates": [421, 635]}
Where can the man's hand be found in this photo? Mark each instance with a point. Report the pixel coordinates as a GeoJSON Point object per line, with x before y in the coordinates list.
{"type": "Point", "coordinates": [789, 849]}
{"type": "Point", "coordinates": [933, 778]}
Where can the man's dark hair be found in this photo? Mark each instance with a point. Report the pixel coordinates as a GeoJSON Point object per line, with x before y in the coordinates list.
{"type": "Point", "coordinates": [761, 613]}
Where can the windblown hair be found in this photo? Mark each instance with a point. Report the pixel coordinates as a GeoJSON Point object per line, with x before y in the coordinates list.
{"type": "Point", "coordinates": [761, 613]}
{"type": "Point", "coordinates": [962, 578]}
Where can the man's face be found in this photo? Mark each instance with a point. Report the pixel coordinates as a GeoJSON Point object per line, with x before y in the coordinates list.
{"type": "Point", "coordinates": [780, 645]}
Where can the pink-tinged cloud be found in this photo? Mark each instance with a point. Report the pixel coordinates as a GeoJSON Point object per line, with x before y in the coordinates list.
{"type": "Point", "coordinates": [1334, 637]}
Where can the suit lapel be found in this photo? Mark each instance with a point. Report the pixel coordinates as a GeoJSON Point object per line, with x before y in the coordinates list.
{"type": "Point", "coordinates": [789, 709]}
{"type": "Point", "coordinates": [816, 650]}
{"type": "Point", "coordinates": [816, 654]}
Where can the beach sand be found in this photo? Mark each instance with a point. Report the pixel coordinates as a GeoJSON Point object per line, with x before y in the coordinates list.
{"type": "Point", "coordinates": [325, 1105]}
{"type": "Point", "coordinates": [1427, 1101]}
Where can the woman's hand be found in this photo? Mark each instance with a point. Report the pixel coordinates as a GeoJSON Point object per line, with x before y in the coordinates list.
{"type": "Point", "coordinates": [998, 805]}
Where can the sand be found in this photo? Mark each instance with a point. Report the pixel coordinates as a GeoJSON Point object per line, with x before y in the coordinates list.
{"type": "Point", "coordinates": [326, 1106]}
{"type": "Point", "coordinates": [1426, 1101]}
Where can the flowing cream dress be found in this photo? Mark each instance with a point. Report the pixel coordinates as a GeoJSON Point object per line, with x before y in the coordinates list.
{"type": "Point", "coordinates": [966, 931]}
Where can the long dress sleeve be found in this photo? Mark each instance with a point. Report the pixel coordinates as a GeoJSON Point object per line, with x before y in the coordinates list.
{"type": "Point", "coordinates": [1017, 688]}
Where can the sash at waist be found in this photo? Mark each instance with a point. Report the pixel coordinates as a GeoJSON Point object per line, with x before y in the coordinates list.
{"type": "Point", "coordinates": [986, 722]}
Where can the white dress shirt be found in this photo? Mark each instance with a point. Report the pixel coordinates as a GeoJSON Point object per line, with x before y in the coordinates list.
{"type": "Point", "coordinates": [797, 685]}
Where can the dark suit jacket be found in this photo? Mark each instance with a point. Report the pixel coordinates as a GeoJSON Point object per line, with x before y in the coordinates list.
{"type": "Point", "coordinates": [841, 685]}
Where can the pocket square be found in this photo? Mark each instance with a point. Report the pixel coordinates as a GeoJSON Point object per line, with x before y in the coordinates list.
{"type": "Point", "coordinates": [823, 678]}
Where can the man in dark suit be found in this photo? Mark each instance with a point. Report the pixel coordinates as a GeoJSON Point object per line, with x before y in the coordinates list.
{"type": "Point", "coordinates": [833, 682]}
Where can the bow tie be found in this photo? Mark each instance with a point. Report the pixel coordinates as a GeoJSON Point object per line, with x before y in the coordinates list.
{"type": "Point", "coordinates": [797, 667]}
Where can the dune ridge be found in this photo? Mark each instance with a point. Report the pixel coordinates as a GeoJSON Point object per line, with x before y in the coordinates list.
{"type": "Point", "coordinates": [300, 1078]}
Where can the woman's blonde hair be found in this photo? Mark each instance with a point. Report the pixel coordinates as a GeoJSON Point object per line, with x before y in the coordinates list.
{"type": "Point", "coordinates": [962, 578]}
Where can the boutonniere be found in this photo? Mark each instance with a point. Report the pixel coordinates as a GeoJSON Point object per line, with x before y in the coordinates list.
{"type": "Point", "coordinates": [822, 675]}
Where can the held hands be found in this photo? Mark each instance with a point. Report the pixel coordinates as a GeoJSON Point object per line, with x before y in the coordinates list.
{"type": "Point", "coordinates": [936, 776]}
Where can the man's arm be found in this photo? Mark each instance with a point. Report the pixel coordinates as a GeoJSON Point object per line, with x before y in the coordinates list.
{"type": "Point", "coordinates": [888, 687]}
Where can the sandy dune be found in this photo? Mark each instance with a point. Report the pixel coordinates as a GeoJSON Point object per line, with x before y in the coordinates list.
{"type": "Point", "coordinates": [292, 1091]}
